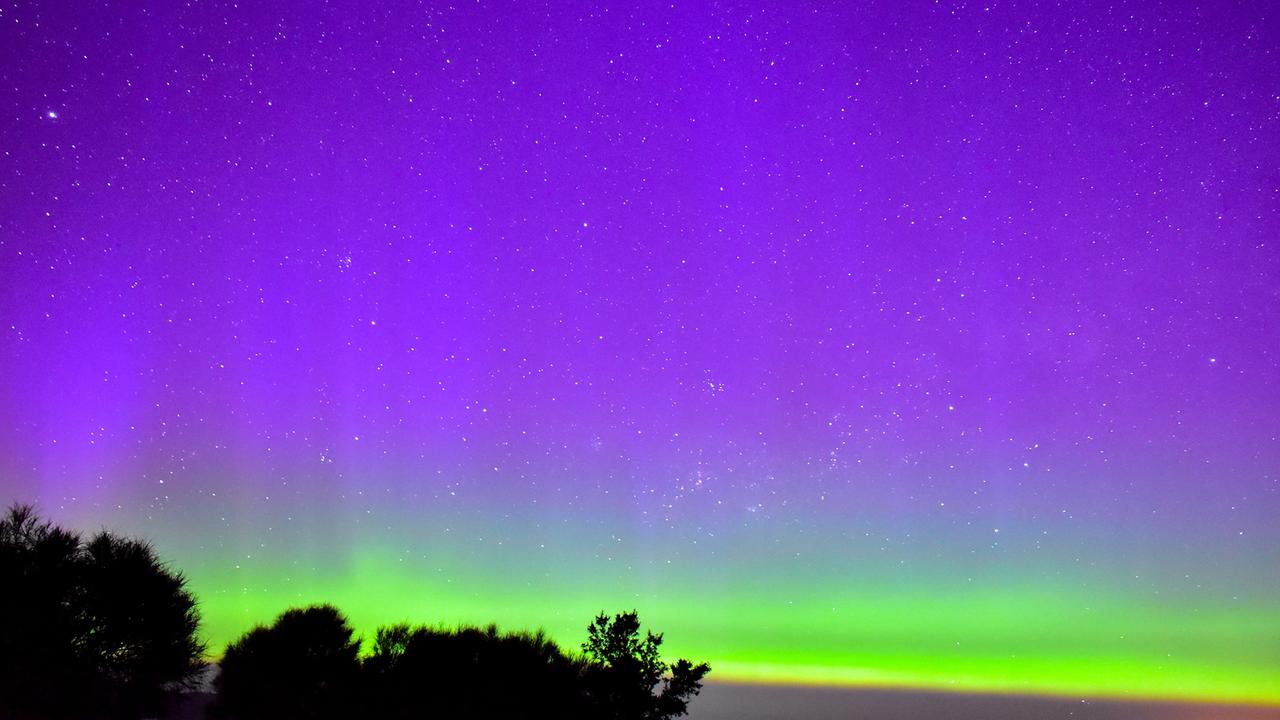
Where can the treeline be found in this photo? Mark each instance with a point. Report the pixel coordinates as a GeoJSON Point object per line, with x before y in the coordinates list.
{"type": "Point", "coordinates": [99, 627]}
{"type": "Point", "coordinates": [308, 665]}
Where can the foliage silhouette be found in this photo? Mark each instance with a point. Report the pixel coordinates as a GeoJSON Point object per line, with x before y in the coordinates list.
{"type": "Point", "coordinates": [305, 666]}
{"type": "Point", "coordinates": [625, 672]}
{"type": "Point", "coordinates": [97, 628]}
{"type": "Point", "coordinates": [470, 672]}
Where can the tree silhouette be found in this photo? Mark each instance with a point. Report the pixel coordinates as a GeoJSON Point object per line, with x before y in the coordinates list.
{"type": "Point", "coordinates": [304, 666]}
{"type": "Point", "coordinates": [625, 673]}
{"type": "Point", "coordinates": [469, 672]}
{"type": "Point", "coordinates": [89, 629]}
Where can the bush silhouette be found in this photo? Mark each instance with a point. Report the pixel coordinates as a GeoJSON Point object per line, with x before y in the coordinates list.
{"type": "Point", "coordinates": [625, 672]}
{"type": "Point", "coordinates": [469, 672]}
{"type": "Point", "coordinates": [89, 629]}
{"type": "Point", "coordinates": [304, 666]}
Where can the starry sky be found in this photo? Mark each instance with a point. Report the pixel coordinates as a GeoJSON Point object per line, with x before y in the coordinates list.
{"type": "Point", "coordinates": [895, 343]}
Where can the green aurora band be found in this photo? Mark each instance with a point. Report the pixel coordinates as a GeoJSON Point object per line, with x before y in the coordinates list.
{"type": "Point", "coordinates": [1006, 640]}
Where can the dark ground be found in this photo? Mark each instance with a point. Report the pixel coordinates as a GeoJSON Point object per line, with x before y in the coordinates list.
{"type": "Point", "coordinates": [732, 701]}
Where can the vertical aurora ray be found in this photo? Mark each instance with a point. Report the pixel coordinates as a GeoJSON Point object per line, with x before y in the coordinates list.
{"type": "Point", "coordinates": [925, 345]}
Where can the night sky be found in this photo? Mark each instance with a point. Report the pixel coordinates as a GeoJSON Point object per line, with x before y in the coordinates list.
{"type": "Point", "coordinates": [899, 343]}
